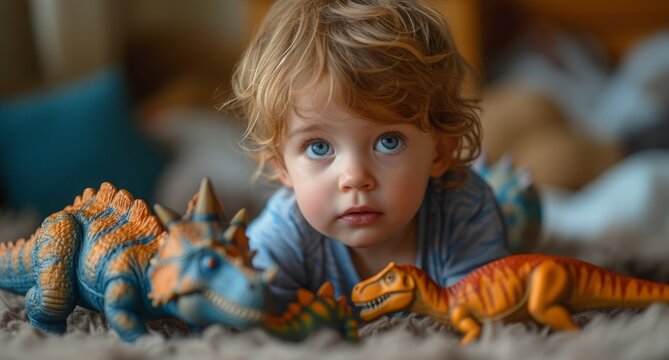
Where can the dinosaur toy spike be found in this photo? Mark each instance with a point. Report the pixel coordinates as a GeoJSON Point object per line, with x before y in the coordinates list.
{"type": "Point", "coordinates": [326, 290]}
{"type": "Point", "coordinates": [236, 230]}
{"type": "Point", "coordinates": [207, 204]}
{"type": "Point", "coordinates": [88, 194]}
{"type": "Point", "coordinates": [543, 288]}
{"type": "Point", "coordinates": [166, 215]}
{"type": "Point", "coordinates": [241, 218]}
{"type": "Point", "coordinates": [294, 309]}
{"type": "Point", "coordinates": [304, 296]}
{"type": "Point", "coordinates": [343, 305]}
{"type": "Point", "coordinates": [77, 201]}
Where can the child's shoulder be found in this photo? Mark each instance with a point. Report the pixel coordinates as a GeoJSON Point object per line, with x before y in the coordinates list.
{"type": "Point", "coordinates": [282, 200]}
{"type": "Point", "coordinates": [282, 228]}
{"type": "Point", "coordinates": [281, 210]}
{"type": "Point", "coordinates": [474, 187]}
{"type": "Point", "coordinates": [472, 199]}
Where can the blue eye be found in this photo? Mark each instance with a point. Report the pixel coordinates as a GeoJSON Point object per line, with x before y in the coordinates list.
{"type": "Point", "coordinates": [318, 149]}
{"type": "Point", "coordinates": [389, 143]}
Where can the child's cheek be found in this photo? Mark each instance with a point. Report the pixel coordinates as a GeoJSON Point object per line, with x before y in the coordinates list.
{"type": "Point", "coordinates": [410, 191]}
{"type": "Point", "coordinates": [311, 199]}
{"type": "Point", "coordinates": [408, 184]}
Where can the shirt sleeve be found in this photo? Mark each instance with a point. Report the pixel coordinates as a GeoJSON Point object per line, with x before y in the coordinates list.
{"type": "Point", "coordinates": [477, 234]}
{"type": "Point", "coordinates": [276, 235]}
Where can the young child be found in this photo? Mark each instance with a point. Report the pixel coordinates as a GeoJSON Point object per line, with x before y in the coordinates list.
{"type": "Point", "coordinates": [356, 107]}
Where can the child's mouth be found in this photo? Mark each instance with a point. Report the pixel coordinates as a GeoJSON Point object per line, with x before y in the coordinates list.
{"type": "Point", "coordinates": [360, 216]}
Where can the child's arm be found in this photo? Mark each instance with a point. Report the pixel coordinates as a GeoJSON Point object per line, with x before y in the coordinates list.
{"type": "Point", "coordinates": [277, 236]}
{"type": "Point", "coordinates": [289, 276]}
{"type": "Point", "coordinates": [478, 234]}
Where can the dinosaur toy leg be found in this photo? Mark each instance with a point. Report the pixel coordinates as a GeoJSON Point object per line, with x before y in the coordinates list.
{"type": "Point", "coordinates": [54, 295]}
{"type": "Point", "coordinates": [464, 322]}
{"type": "Point", "coordinates": [549, 284]}
{"type": "Point", "coordinates": [121, 297]}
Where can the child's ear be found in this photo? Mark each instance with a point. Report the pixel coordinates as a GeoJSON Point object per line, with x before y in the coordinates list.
{"type": "Point", "coordinates": [444, 156]}
{"type": "Point", "coordinates": [277, 163]}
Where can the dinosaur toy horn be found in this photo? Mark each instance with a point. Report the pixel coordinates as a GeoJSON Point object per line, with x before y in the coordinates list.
{"type": "Point", "coordinates": [207, 203]}
{"type": "Point", "coordinates": [236, 231]}
{"type": "Point", "coordinates": [165, 215]}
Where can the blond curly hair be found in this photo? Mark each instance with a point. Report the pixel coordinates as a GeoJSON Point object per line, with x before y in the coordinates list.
{"type": "Point", "coordinates": [383, 60]}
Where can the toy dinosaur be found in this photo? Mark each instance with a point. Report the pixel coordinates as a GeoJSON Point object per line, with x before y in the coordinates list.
{"type": "Point", "coordinates": [518, 199]}
{"type": "Point", "coordinates": [311, 312]}
{"type": "Point", "coordinates": [109, 253]}
{"type": "Point", "coordinates": [544, 288]}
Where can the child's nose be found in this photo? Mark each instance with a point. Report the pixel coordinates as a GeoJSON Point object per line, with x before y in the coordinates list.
{"type": "Point", "coordinates": [356, 177]}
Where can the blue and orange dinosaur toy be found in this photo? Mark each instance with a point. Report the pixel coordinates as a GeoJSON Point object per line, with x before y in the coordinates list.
{"type": "Point", "coordinates": [108, 252]}
{"type": "Point", "coordinates": [544, 288]}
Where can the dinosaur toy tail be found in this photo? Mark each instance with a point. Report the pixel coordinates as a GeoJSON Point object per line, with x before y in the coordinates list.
{"type": "Point", "coordinates": [615, 290]}
{"type": "Point", "coordinates": [16, 265]}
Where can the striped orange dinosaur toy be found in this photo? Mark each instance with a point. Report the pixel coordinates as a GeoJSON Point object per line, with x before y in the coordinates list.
{"type": "Point", "coordinates": [540, 287]}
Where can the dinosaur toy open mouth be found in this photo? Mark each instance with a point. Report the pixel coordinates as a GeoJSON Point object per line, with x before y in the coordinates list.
{"type": "Point", "coordinates": [384, 303]}
{"type": "Point", "coordinates": [373, 304]}
{"type": "Point", "coordinates": [236, 310]}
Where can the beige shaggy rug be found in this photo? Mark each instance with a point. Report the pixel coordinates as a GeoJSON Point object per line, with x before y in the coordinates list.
{"type": "Point", "coordinates": [611, 334]}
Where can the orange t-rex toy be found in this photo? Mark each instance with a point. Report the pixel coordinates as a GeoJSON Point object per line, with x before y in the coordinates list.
{"type": "Point", "coordinates": [541, 287]}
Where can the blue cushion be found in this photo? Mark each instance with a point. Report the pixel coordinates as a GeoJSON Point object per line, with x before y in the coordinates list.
{"type": "Point", "coordinates": [55, 143]}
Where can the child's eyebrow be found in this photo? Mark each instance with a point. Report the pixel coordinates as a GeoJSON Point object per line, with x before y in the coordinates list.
{"type": "Point", "coordinates": [306, 129]}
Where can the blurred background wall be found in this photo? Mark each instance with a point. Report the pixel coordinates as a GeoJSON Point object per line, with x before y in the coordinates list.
{"type": "Point", "coordinates": [48, 42]}
{"type": "Point", "coordinates": [45, 42]}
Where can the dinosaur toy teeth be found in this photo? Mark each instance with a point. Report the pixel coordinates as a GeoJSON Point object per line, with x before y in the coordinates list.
{"type": "Point", "coordinates": [381, 305]}
{"type": "Point", "coordinates": [230, 307]}
{"type": "Point", "coordinates": [373, 304]}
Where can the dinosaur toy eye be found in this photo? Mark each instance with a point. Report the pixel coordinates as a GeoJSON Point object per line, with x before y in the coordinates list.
{"type": "Point", "coordinates": [390, 278]}
{"type": "Point", "coordinates": [209, 263]}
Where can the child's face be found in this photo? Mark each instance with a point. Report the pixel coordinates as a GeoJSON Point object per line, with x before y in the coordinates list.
{"type": "Point", "coordinates": [357, 181]}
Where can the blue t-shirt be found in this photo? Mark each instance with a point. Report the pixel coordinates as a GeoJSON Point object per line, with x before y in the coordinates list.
{"type": "Point", "coordinates": [458, 230]}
